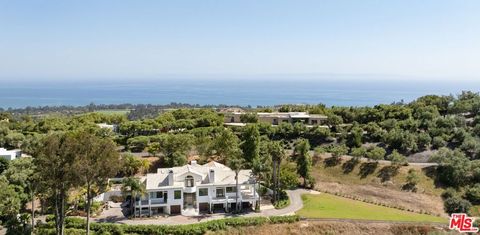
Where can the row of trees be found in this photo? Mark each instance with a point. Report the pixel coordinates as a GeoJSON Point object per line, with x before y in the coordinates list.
{"type": "Point", "coordinates": [64, 162]}
{"type": "Point", "coordinates": [461, 175]}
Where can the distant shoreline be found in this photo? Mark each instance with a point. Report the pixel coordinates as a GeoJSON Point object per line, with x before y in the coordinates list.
{"type": "Point", "coordinates": [229, 92]}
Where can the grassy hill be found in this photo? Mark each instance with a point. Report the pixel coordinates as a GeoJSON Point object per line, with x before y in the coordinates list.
{"type": "Point", "coordinates": [329, 206]}
{"type": "Point", "coordinates": [369, 182]}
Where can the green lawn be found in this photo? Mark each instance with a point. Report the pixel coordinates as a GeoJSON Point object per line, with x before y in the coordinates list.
{"type": "Point", "coordinates": [113, 111]}
{"type": "Point", "coordinates": [329, 206]}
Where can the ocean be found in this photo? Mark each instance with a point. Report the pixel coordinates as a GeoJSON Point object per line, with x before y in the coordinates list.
{"type": "Point", "coordinates": [252, 92]}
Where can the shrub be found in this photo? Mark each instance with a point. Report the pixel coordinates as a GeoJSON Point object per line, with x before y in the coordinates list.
{"type": "Point", "coordinates": [376, 153]}
{"type": "Point", "coordinates": [284, 219]}
{"type": "Point", "coordinates": [438, 142]}
{"type": "Point", "coordinates": [359, 152]}
{"type": "Point", "coordinates": [50, 218]}
{"type": "Point", "coordinates": [77, 226]}
{"type": "Point", "coordinates": [288, 177]}
{"type": "Point", "coordinates": [473, 194]}
{"type": "Point", "coordinates": [457, 205]}
{"type": "Point", "coordinates": [449, 193]}
{"type": "Point", "coordinates": [413, 178]}
{"type": "Point", "coordinates": [397, 159]}
{"type": "Point", "coordinates": [51, 231]}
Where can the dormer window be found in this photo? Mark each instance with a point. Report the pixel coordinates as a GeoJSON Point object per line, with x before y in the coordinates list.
{"type": "Point", "coordinates": [189, 181]}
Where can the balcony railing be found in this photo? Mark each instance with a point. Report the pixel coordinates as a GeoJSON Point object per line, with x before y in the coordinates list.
{"type": "Point", "coordinates": [154, 201]}
{"type": "Point", "coordinates": [157, 201]}
{"type": "Point", "coordinates": [141, 202]}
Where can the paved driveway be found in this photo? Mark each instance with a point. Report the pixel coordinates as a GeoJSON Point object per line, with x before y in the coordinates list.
{"type": "Point", "coordinates": [296, 203]}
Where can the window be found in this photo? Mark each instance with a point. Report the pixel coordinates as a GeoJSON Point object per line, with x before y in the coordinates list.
{"type": "Point", "coordinates": [231, 189]}
{"type": "Point", "coordinates": [156, 195]}
{"type": "Point", "coordinates": [220, 192]}
{"type": "Point", "coordinates": [314, 122]}
{"type": "Point", "coordinates": [177, 194]}
{"type": "Point", "coordinates": [203, 192]}
{"type": "Point", "coordinates": [189, 181]}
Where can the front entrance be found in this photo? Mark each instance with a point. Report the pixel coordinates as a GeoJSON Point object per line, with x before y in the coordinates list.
{"type": "Point", "coordinates": [189, 200]}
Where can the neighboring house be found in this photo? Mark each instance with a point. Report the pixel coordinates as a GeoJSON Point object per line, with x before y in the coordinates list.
{"type": "Point", "coordinates": [10, 154]}
{"type": "Point", "coordinates": [195, 188]}
{"type": "Point", "coordinates": [113, 127]}
{"type": "Point", "coordinates": [277, 117]}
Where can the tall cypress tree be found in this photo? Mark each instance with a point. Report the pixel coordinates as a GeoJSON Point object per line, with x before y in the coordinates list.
{"type": "Point", "coordinates": [251, 144]}
{"type": "Point", "coordinates": [303, 159]}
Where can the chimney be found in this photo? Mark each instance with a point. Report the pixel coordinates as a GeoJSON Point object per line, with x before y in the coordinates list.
{"type": "Point", "coordinates": [170, 177]}
{"type": "Point", "coordinates": [212, 176]}
{"type": "Point", "coordinates": [193, 163]}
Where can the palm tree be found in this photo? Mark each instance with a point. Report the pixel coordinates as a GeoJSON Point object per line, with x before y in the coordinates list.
{"type": "Point", "coordinates": [145, 165]}
{"type": "Point", "coordinates": [277, 154]}
{"type": "Point", "coordinates": [260, 168]}
{"type": "Point", "coordinates": [236, 163]}
{"type": "Point", "coordinates": [133, 187]}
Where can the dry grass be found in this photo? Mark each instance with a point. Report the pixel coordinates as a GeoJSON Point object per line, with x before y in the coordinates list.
{"type": "Point", "coordinates": [371, 188]}
{"type": "Point", "coordinates": [327, 227]}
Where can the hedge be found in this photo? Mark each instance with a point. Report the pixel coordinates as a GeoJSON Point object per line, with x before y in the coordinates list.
{"type": "Point", "coordinates": [75, 225]}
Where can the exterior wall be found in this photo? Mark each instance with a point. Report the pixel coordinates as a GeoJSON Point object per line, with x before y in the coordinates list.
{"type": "Point", "coordinates": [274, 120]}
{"type": "Point", "coordinates": [266, 119]}
{"type": "Point", "coordinates": [201, 201]}
{"type": "Point", "coordinates": [171, 198]}
{"type": "Point", "coordinates": [319, 120]}
{"type": "Point", "coordinates": [8, 156]}
{"type": "Point", "coordinates": [232, 117]}
{"type": "Point", "coordinates": [11, 154]}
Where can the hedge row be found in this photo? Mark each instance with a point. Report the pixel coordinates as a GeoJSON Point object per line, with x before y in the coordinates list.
{"type": "Point", "coordinates": [77, 224]}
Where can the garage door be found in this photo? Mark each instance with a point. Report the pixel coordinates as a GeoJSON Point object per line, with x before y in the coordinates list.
{"type": "Point", "coordinates": [204, 207]}
{"type": "Point", "coordinates": [175, 210]}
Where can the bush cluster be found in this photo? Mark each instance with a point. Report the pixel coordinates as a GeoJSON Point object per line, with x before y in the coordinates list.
{"type": "Point", "coordinates": [77, 226]}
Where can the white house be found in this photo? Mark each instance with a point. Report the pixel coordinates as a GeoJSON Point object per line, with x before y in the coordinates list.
{"type": "Point", "coordinates": [10, 154]}
{"type": "Point", "coordinates": [112, 127]}
{"type": "Point", "coordinates": [195, 188]}
{"type": "Point", "coordinates": [276, 118]}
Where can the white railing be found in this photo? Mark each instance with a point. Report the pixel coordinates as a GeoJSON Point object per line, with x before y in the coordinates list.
{"type": "Point", "coordinates": [141, 202]}
{"type": "Point", "coordinates": [157, 201]}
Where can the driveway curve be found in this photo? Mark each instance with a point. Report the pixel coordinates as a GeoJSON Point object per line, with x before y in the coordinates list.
{"type": "Point", "coordinates": [296, 203]}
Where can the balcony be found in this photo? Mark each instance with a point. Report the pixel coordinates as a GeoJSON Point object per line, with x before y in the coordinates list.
{"type": "Point", "coordinates": [157, 201]}
{"type": "Point", "coordinates": [224, 199]}
{"type": "Point", "coordinates": [249, 195]}
{"type": "Point", "coordinates": [190, 189]}
{"type": "Point", "coordinates": [154, 201]}
{"type": "Point", "coordinates": [141, 203]}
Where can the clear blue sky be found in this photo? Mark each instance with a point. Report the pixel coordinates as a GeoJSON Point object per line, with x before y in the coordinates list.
{"type": "Point", "coordinates": [149, 39]}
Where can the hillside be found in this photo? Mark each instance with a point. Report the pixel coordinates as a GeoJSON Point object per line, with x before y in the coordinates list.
{"type": "Point", "coordinates": [374, 185]}
{"type": "Point", "coordinates": [330, 227]}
